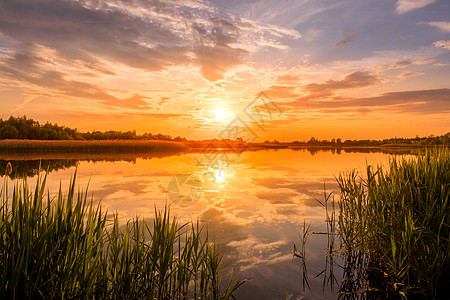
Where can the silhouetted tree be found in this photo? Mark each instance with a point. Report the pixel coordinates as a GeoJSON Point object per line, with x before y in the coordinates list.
{"type": "Point", "coordinates": [8, 132]}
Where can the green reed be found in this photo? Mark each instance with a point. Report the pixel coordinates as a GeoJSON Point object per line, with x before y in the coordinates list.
{"type": "Point", "coordinates": [399, 217]}
{"type": "Point", "coordinates": [90, 147]}
{"type": "Point", "coordinates": [66, 247]}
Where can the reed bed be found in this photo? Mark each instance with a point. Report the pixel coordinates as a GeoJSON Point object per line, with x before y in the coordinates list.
{"type": "Point", "coordinates": [392, 230]}
{"type": "Point", "coordinates": [66, 247]}
{"type": "Point", "coordinates": [397, 220]}
{"type": "Point", "coordinates": [76, 146]}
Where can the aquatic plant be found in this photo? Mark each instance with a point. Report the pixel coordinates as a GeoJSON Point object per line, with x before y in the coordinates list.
{"type": "Point", "coordinates": [393, 226]}
{"type": "Point", "coordinates": [66, 247]}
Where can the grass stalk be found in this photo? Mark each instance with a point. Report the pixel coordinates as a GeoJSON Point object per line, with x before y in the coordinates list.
{"type": "Point", "coordinates": [65, 247]}
{"type": "Point", "coordinates": [399, 217]}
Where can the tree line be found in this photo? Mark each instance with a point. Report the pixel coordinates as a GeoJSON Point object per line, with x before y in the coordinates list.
{"type": "Point", "coordinates": [29, 129]}
{"type": "Point", "coordinates": [26, 128]}
{"type": "Point", "coordinates": [417, 141]}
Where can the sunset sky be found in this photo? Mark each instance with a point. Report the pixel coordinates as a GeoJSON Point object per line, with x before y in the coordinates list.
{"type": "Point", "coordinates": [350, 68]}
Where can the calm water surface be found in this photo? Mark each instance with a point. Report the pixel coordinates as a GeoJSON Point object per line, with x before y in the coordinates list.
{"type": "Point", "coordinates": [254, 206]}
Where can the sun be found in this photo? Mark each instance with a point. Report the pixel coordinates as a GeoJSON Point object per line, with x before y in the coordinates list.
{"type": "Point", "coordinates": [220, 113]}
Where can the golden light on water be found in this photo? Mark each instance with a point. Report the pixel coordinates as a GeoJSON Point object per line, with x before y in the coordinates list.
{"type": "Point", "coordinates": [220, 175]}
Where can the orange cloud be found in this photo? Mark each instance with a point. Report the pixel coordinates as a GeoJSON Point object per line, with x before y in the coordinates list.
{"type": "Point", "coordinates": [354, 80]}
{"type": "Point", "coordinates": [56, 81]}
{"type": "Point", "coordinates": [418, 102]}
{"type": "Point", "coordinates": [410, 74]}
{"type": "Point", "coordinates": [281, 91]}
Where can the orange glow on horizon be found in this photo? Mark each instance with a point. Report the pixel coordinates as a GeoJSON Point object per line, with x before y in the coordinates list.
{"type": "Point", "coordinates": [369, 81]}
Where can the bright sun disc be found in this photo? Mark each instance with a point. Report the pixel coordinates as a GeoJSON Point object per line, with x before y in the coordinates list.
{"type": "Point", "coordinates": [220, 113]}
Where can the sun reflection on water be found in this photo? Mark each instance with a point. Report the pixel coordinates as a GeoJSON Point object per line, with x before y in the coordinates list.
{"type": "Point", "coordinates": [220, 176]}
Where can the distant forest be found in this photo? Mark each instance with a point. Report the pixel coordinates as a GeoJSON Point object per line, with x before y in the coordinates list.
{"type": "Point", "coordinates": [27, 129]}
{"type": "Point", "coordinates": [417, 141]}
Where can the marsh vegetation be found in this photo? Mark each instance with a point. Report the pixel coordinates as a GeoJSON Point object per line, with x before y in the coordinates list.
{"type": "Point", "coordinates": [90, 147]}
{"type": "Point", "coordinates": [67, 247]}
{"type": "Point", "coordinates": [391, 229]}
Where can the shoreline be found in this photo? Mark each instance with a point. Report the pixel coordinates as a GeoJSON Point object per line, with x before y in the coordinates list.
{"type": "Point", "coordinates": [206, 144]}
{"type": "Point", "coordinates": [17, 150]}
{"type": "Point", "coordinates": [131, 149]}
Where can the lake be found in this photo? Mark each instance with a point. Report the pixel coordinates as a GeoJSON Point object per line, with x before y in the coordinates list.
{"type": "Point", "coordinates": [254, 204]}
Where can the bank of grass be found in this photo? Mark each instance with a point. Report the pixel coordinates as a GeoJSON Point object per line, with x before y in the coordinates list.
{"type": "Point", "coordinates": [66, 247]}
{"type": "Point", "coordinates": [399, 219]}
{"type": "Point", "coordinates": [77, 146]}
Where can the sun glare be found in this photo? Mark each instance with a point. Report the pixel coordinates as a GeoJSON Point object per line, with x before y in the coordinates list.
{"type": "Point", "coordinates": [220, 176]}
{"type": "Point", "coordinates": [220, 113]}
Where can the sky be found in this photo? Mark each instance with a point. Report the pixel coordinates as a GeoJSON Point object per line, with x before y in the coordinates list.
{"type": "Point", "coordinates": [350, 69]}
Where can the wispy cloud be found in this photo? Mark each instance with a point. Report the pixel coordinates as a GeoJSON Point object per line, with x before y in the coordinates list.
{"type": "Point", "coordinates": [404, 6]}
{"type": "Point", "coordinates": [29, 67]}
{"type": "Point", "coordinates": [77, 32]}
{"type": "Point", "coordinates": [354, 80]}
{"type": "Point", "coordinates": [312, 34]}
{"type": "Point", "coordinates": [163, 35]}
{"type": "Point", "coordinates": [409, 74]}
{"type": "Point", "coordinates": [442, 26]}
{"type": "Point", "coordinates": [289, 13]}
{"type": "Point", "coordinates": [347, 37]}
{"type": "Point", "coordinates": [417, 102]}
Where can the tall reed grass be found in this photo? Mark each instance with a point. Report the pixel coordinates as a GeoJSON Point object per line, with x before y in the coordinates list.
{"type": "Point", "coordinates": [66, 247]}
{"type": "Point", "coordinates": [400, 218]}
{"type": "Point", "coordinates": [393, 228]}
{"type": "Point", "coordinates": [77, 146]}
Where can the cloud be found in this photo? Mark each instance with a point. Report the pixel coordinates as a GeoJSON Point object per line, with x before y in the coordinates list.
{"type": "Point", "coordinates": [77, 32]}
{"type": "Point", "coordinates": [161, 116]}
{"type": "Point", "coordinates": [135, 187]}
{"type": "Point", "coordinates": [98, 36]}
{"type": "Point", "coordinates": [327, 89]}
{"type": "Point", "coordinates": [354, 80]}
{"type": "Point", "coordinates": [29, 67]}
{"type": "Point", "coordinates": [213, 50]}
{"type": "Point", "coordinates": [223, 43]}
{"type": "Point", "coordinates": [442, 44]}
{"type": "Point", "coordinates": [312, 190]}
{"type": "Point", "coordinates": [312, 34]}
{"type": "Point", "coordinates": [267, 29]}
{"type": "Point", "coordinates": [347, 37]}
{"type": "Point", "coordinates": [417, 102]}
{"type": "Point", "coordinates": [277, 197]}
{"type": "Point", "coordinates": [94, 34]}
{"type": "Point", "coordinates": [288, 79]}
{"type": "Point", "coordinates": [290, 13]}
{"type": "Point", "coordinates": [223, 228]}
{"type": "Point", "coordinates": [278, 91]}
{"type": "Point", "coordinates": [163, 100]}
{"type": "Point", "coordinates": [442, 26]}
{"type": "Point", "coordinates": [77, 115]}
{"type": "Point", "coordinates": [404, 6]}
{"type": "Point", "coordinates": [409, 74]}
{"type": "Point", "coordinates": [395, 65]}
